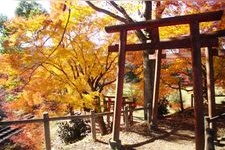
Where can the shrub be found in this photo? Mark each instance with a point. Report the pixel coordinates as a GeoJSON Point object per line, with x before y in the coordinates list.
{"type": "Point", "coordinates": [73, 131]}
{"type": "Point", "coordinates": [223, 102]}
{"type": "Point", "coordinates": [163, 107]}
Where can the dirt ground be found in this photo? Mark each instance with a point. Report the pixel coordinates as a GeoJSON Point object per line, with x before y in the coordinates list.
{"type": "Point", "coordinates": [175, 132]}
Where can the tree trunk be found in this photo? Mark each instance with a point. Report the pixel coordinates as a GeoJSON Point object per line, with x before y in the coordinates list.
{"type": "Point", "coordinates": [99, 119]}
{"type": "Point", "coordinates": [102, 125]}
{"type": "Point", "coordinates": [181, 99]}
{"type": "Point", "coordinates": [149, 69]}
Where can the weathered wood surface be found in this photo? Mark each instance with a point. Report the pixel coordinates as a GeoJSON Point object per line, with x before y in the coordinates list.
{"type": "Point", "coordinates": [169, 44]}
{"type": "Point", "coordinates": [203, 17]}
{"type": "Point", "coordinates": [186, 54]}
{"type": "Point", "coordinates": [197, 81]}
{"type": "Point", "coordinates": [210, 85]}
{"type": "Point", "coordinates": [119, 86]}
{"type": "Point", "coordinates": [47, 131]}
{"type": "Point", "coordinates": [195, 41]}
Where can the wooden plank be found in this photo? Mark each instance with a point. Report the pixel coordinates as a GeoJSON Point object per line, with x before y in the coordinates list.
{"type": "Point", "coordinates": [41, 120]}
{"type": "Point", "coordinates": [119, 88]}
{"type": "Point", "coordinates": [21, 121]}
{"type": "Point", "coordinates": [172, 44]}
{"type": "Point", "coordinates": [220, 95]}
{"type": "Point", "coordinates": [156, 88]}
{"type": "Point", "coordinates": [217, 117]}
{"type": "Point", "coordinates": [13, 132]}
{"type": "Point", "coordinates": [219, 33]}
{"type": "Point", "coordinates": [197, 81]}
{"type": "Point", "coordinates": [158, 52]}
{"type": "Point", "coordinates": [186, 19]}
{"type": "Point", "coordinates": [185, 54]}
{"type": "Point", "coordinates": [210, 86]}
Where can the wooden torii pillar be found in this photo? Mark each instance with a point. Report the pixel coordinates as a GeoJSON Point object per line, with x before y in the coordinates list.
{"type": "Point", "coordinates": [195, 41]}
{"type": "Point", "coordinates": [210, 81]}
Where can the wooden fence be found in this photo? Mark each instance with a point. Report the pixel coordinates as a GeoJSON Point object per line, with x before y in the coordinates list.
{"type": "Point", "coordinates": [192, 98]}
{"type": "Point", "coordinates": [46, 119]}
{"type": "Point", "coordinates": [210, 133]}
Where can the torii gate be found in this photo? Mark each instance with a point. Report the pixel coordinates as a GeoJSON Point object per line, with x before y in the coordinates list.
{"type": "Point", "coordinates": [194, 41]}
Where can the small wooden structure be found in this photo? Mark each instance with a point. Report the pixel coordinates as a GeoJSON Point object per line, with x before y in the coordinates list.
{"type": "Point", "coordinates": [195, 41]}
{"type": "Point", "coordinates": [109, 102]}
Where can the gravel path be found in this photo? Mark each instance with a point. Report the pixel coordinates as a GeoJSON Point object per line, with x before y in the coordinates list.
{"type": "Point", "coordinates": [140, 138]}
{"type": "Point", "coordinates": [175, 132]}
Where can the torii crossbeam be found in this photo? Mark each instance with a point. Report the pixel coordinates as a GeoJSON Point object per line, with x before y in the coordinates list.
{"type": "Point", "coordinates": [195, 41]}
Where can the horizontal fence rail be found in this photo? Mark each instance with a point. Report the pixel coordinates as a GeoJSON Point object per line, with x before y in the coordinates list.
{"type": "Point", "coordinates": [6, 131]}
{"type": "Point", "coordinates": [216, 117]}
{"type": "Point", "coordinates": [46, 119]}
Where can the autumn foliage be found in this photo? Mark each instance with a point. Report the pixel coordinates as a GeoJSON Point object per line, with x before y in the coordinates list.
{"type": "Point", "coordinates": [59, 58]}
{"type": "Point", "coordinates": [58, 61]}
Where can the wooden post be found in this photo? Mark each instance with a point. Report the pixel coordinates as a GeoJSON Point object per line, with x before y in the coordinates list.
{"type": "Point", "coordinates": [126, 117]}
{"type": "Point", "coordinates": [47, 131]}
{"type": "Point", "coordinates": [115, 142]}
{"type": "Point", "coordinates": [210, 84]}
{"type": "Point", "coordinates": [192, 100]}
{"type": "Point", "coordinates": [180, 94]}
{"type": "Point", "coordinates": [209, 135]}
{"type": "Point", "coordinates": [109, 110]}
{"type": "Point", "coordinates": [155, 34]}
{"type": "Point", "coordinates": [149, 67]}
{"type": "Point", "coordinates": [108, 121]}
{"type": "Point", "coordinates": [156, 89]}
{"type": "Point", "coordinates": [197, 82]}
{"type": "Point", "coordinates": [93, 128]}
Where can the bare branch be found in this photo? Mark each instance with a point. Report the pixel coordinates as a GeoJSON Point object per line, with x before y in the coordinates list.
{"type": "Point", "coordinates": [126, 18]}
{"type": "Point", "coordinates": [122, 11]}
{"type": "Point", "coordinates": [64, 31]}
{"type": "Point", "coordinates": [106, 12]}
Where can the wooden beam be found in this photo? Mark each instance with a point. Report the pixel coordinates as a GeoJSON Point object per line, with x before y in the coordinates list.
{"type": "Point", "coordinates": [186, 54]}
{"type": "Point", "coordinates": [219, 33]}
{"type": "Point", "coordinates": [172, 44]}
{"type": "Point", "coordinates": [197, 81]}
{"type": "Point", "coordinates": [186, 19]}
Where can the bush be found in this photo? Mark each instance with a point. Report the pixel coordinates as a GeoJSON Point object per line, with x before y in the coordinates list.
{"type": "Point", "coordinates": [223, 102]}
{"type": "Point", "coordinates": [73, 131]}
{"type": "Point", "coordinates": [163, 107]}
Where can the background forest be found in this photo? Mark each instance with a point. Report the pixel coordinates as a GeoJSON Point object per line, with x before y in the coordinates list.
{"type": "Point", "coordinates": [58, 61]}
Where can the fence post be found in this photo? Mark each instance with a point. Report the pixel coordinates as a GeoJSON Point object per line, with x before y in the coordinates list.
{"type": "Point", "coordinates": [47, 131]}
{"type": "Point", "coordinates": [126, 118]}
{"type": "Point", "coordinates": [209, 135]}
{"type": "Point", "coordinates": [192, 100]}
{"type": "Point", "coordinates": [93, 129]}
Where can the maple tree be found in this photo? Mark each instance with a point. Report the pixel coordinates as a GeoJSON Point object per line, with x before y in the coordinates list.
{"type": "Point", "coordinates": [180, 70]}
{"type": "Point", "coordinates": [59, 62]}
{"type": "Point", "coordinates": [40, 57]}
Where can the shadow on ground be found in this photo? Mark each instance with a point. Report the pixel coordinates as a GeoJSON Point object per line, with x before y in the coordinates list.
{"type": "Point", "coordinates": [178, 127]}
